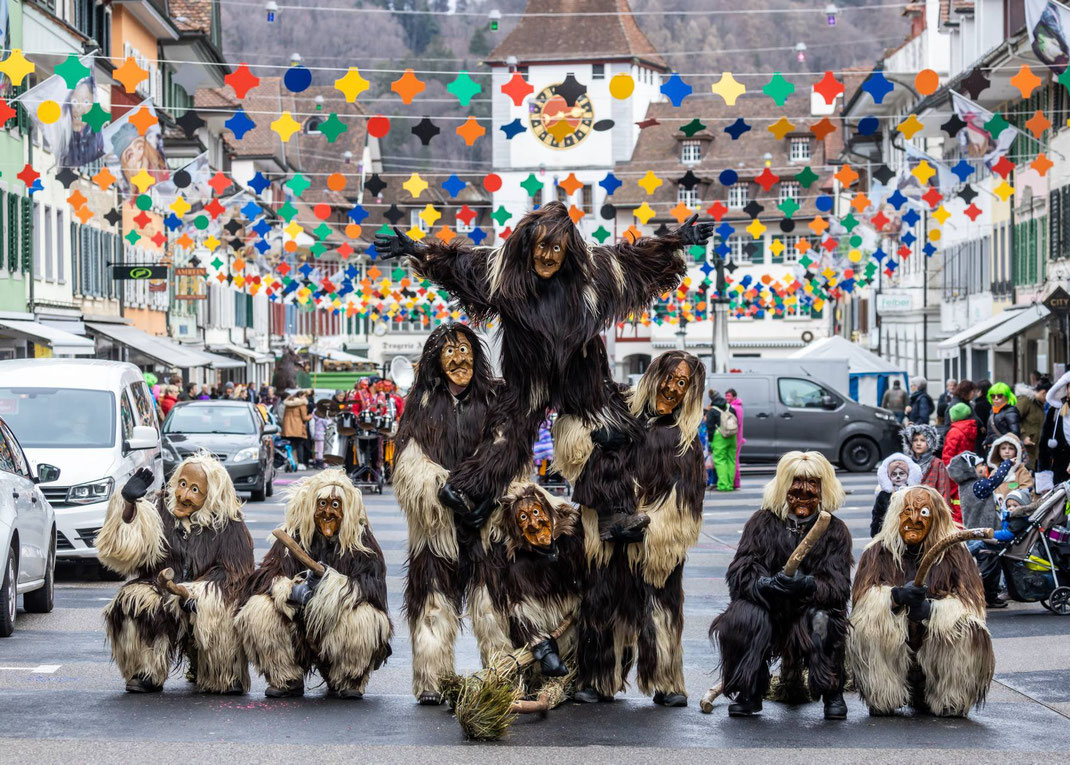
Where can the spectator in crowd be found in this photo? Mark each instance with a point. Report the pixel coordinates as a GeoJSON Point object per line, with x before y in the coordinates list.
{"type": "Point", "coordinates": [191, 393]}
{"type": "Point", "coordinates": [1053, 455]}
{"type": "Point", "coordinates": [170, 398]}
{"type": "Point", "coordinates": [963, 394]}
{"type": "Point", "coordinates": [895, 401]}
{"type": "Point", "coordinates": [898, 471]}
{"type": "Point", "coordinates": [723, 446]}
{"type": "Point", "coordinates": [977, 490]}
{"type": "Point", "coordinates": [944, 402]}
{"type": "Point", "coordinates": [961, 437]}
{"type": "Point", "coordinates": [1032, 408]}
{"type": "Point", "coordinates": [736, 403]}
{"type": "Point", "coordinates": [921, 407]}
{"type": "Point", "coordinates": [318, 430]}
{"type": "Point", "coordinates": [920, 441]}
{"type": "Point", "coordinates": [1008, 448]}
{"type": "Point", "coordinates": [981, 407]}
{"type": "Point", "coordinates": [294, 423]}
{"type": "Point", "coordinates": [1003, 417]}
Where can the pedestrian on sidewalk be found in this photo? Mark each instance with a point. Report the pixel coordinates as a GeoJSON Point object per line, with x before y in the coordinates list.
{"type": "Point", "coordinates": [721, 422]}
{"type": "Point", "coordinates": [736, 403]}
{"type": "Point", "coordinates": [294, 423]}
{"type": "Point", "coordinates": [1053, 457]}
{"type": "Point", "coordinates": [944, 402]}
{"type": "Point", "coordinates": [1032, 408]}
{"type": "Point", "coordinates": [895, 401]}
{"type": "Point", "coordinates": [319, 436]}
{"type": "Point", "coordinates": [921, 407]}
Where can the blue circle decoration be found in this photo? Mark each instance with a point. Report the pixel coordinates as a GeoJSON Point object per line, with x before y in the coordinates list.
{"type": "Point", "coordinates": [824, 203]}
{"type": "Point", "coordinates": [297, 79]}
{"type": "Point", "coordinates": [728, 177]}
{"type": "Point", "coordinates": [868, 125]}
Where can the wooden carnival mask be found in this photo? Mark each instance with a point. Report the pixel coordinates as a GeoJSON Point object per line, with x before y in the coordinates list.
{"type": "Point", "coordinates": [804, 496]}
{"type": "Point", "coordinates": [328, 515]}
{"type": "Point", "coordinates": [534, 522]}
{"type": "Point", "coordinates": [898, 474]}
{"type": "Point", "coordinates": [549, 255]}
{"type": "Point", "coordinates": [916, 517]}
{"type": "Point", "coordinates": [457, 359]}
{"type": "Point", "coordinates": [672, 388]}
{"type": "Point", "coordinates": [191, 490]}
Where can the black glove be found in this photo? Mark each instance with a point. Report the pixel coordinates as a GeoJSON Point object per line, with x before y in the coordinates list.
{"type": "Point", "coordinates": [692, 234]}
{"type": "Point", "coordinates": [915, 599]}
{"type": "Point", "coordinates": [137, 486]}
{"type": "Point", "coordinates": [478, 516]}
{"type": "Point", "coordinates": [303, 591]}
{"type": "Point", "coordinates": [771, 587]}
{"type": "Point", "coordinates": [798, 586]}
{"type": "Point", "coordinates": [549, 662]}
{"type": "Point", "coordinates": [609, 438]}
{"type": "Point", "coordinates": [457, 501]}
{"type": "Point", "coordinates": [397, 246]}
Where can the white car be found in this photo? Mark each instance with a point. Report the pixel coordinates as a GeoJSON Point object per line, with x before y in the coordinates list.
{"type": "Point", "coordinates": [27, 534]}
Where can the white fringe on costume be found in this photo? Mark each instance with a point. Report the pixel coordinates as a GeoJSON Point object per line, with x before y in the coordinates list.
{"type": "Point", "coordinates": [135, 656]}
{"type": "Point", "coordinates": [572, 446]}
{"type": "Point", "coordinates": [433, 632]}
{"type": "Point", "coordinates": [673, 530]}
{"type": "Point", "coordinates": [669, 664]}
{"type": "Point", "coordinates": [488, 625]}
{"type": "Point", "coordinates": [127, 547]}
{"type": "Point", "coordinates": [221, 662]}
{"type": "Point", "coordinates": [417, 480]}
{"type": "Point", "coordinates": [268, 633]}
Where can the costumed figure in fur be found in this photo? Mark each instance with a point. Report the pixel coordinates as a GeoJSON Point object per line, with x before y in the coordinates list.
{"type": "Point", "coordinates": [443, 416]}
{"type": "Point", "coordinates": [924, 646]}
{"type": "Point", "coordinates": [553, 295]}
{"type": "Point", "coordinates": [800, 619]}
{"type": "Point", "coordinates": [295, 620]}
{"type": "Point", "coordinates": [196, 529]}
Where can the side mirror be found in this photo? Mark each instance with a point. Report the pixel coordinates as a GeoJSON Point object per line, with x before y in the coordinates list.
{"type": "Point", "coordinates": [142, 437]}
{"type": "Point", "coordinates": [46, 473]}
{"type": "Point", "coordinates": [271, 429]}
{"type": "Point", "coordinates": [828, 402]}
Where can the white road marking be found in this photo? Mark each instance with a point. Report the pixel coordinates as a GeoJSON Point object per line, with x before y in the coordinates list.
{"type": "Point", "coordinates": [40, 669]}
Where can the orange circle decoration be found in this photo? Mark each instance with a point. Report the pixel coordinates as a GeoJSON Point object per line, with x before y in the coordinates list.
{"type": "Point", "coordinates": [353, 230]}
{"type": "Point", "coordinates": [290, 246]}
{"type": "Point", "coordinates": [926, 82]}
{"type": "Point", "coordinates": [322, 211]}
{"type": "Point", "coordinates": [336, 181]}
{"type": "Point", "coordinates": [378, 126]}
{"type": "Point", "coordinates": [492, 182]}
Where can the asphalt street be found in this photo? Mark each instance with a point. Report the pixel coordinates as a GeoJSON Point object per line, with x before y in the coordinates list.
{"type": "Point", "coordinates": [61, 700]}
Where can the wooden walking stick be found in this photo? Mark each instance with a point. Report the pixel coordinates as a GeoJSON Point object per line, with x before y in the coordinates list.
{"type": "Point", "coordinates": [824, 518]}
{"type": "Point", "coordinates": [937, 550]}
{"type": "Point", "coordinates": [295, 550]}
{"type": "Point", "coordinates": [166, 580]}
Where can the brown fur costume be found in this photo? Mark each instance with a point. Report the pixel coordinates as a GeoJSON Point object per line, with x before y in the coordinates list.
{"type": "Point", "coordinates": [344, 630]}
{"type": "Point", "coordinates": [752, 631]}
{"type": "Point", "coordinates": [211, 554]}
{"type": "Point", "coordinates": [944, 664]}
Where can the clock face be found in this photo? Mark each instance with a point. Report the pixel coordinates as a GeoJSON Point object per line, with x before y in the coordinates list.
{"type": "Point", "coordinates": [557, 124]}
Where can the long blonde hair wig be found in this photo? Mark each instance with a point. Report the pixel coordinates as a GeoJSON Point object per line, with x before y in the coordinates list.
{"type": "Point", "coordinates": [221, 504]}
{"type": "Point", "coordinates": [300, 521]}
{"type": "Point", "coordinates": [942, 523]}
{"type": "Point", "coordinates": [806, 465]}
{"type": "Point", "coordinates": [688, 415]}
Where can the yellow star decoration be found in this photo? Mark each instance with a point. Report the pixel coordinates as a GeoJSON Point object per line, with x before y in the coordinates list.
{"type": "Point", "coordinates": [416, 233]}
{"type": "Point", "coordinates": [649, 182]}
{"type": "Point", "coordinates": [352, 84]}
{"type": "Point", "coordinates": [755, 229]}
{"type": "Point", "coordinates": [180, 206]}
{"type": "Point", "coordinates": [211, 243]}
{"type": "Point", "coordinates": [286, 126]}
{"type": "Point", "coordinates": [728, 88]}
{"type": "Point", "coordinates": [16, 67]}
{"type": "Point", "coordinates": [776, 248]}
{"type": "Point", "coordinates": [1004, 190]}
{"type": "Point", "coordinates": [143, 180]}
{"type": "Point", "coordinates": [292, 229]}
{"type": "Point", "coordinates": [781, 128]}
{"type": "Point", "coordinates": [910, 126]}
{"type": "Point", "coordinates": [643, 212]}
{"type": "Point", "coordinates": [429, 215]}
{"type": "Point", "coordinates": [560, 130]}
{"type": "Point", "coordinates": [415, 185]}
{"type": "Point", "coordinates": [923, 172]}
{"type": "Point", "coordinates": [941, 214]}
{"type": "Point", "coordinates": [238, 281]}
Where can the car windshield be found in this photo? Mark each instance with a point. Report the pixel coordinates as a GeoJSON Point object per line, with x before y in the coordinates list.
{"type": "Point", "coordinates": [209, 418]}
{"type": "Point", "coordinates": [60, 418]}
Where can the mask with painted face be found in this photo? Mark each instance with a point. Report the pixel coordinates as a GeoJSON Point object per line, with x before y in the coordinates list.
{"type": "Point", "coordinates": [191, 490]}
{"type": "Point", "coordinates": [328, 515]}
{"type": "Point", "coordinates": [672, 388]}
{"type": "Point", "coordinates": [548, 256]}
{"type": "Point", "coordinates": [534, 522]}
{"type": "Point", "coordinates": [916, 517]}
{"type": "Point", "coordinates": [804, 496]}
{"type": "Point", "coordinates": [898, 473]}
{"type": "Point", "coordinates": [457, 360]}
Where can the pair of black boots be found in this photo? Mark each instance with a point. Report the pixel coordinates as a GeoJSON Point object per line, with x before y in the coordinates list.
{"type": "Point", "coordinates": [747, 705]}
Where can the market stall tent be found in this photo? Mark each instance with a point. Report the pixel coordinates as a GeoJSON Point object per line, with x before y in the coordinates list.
{"type": "Point", "coordinates": [869, 374]}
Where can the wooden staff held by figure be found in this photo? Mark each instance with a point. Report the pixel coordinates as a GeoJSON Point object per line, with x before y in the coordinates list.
{"type": "Point", "coordinates": [296, 551]}
{"type": "Point", "coordinates": [934, 552]}
{"type": "Point", "coordinates": [166, 581]}
{"type": "Point", "coordinates": [791, 568]}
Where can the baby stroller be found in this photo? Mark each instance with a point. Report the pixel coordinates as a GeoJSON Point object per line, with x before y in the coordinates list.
{"type": "Point", "coordinates": [1036, 562]}
{"type": "Point", "coordinates": [548, 478]}
{"type": "Point", "coordinates": [284, 455]}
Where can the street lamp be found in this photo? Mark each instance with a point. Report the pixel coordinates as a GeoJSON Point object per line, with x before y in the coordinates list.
{"type": "Point", "coordinates": [800, 52]}
{"type": "Point", "coordinates": [272, 9]}
{"type": "Point", "coordinates": [830, 13]}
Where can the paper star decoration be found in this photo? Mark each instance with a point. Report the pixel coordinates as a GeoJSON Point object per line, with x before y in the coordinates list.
{"type": "Point", "coordinates": [501, 215]}
{"type": "Point", "coordinates": [351, 84]}
{"type": "Point", "coordinates": [130, 75]}
{"type": "Point", "coordinates": [239, 123]}
{"type": "Point", "coordinates": [571, 184]}
{"type": "Point", "coordinates": [737, 128]}
{"type": "Point", "coordinates": [1037, 124]}
{"type": "Point", "coordinates": [976, 83]}
{"type": "Point", "coordinates": [332, 127]}
{"type": "Point", "coordinates": [1041, 164]}
{"type": "Point", "coordinates": [571, 90]}
{"type": "Point", "coordinates": [610, 183]}
{"type": "Point", "coordinates": [17, 67]}
{"type": "Point", "coordinates": [470, 130]}
{"type": "Point", "coordinates": [464, 88]}
{"type": "Point", "coordinates": [425, 130]}
{"type": "Point", "coordinates": [143, 119]}
{"type": "Point", "coordinates": [953, 126]}
{"type": "Point", "coordinates": [778, 89]}
{"type": "Point", "coordinates": [828, 87]}
{"type": "Point", "coordinates": [910, 126]}
{"type": "Point", "coordinates": [241, 80]}
{"type": "Point", "coordinates": [692, 127]}
{"type": "Point", "coordinates": [143, 180]}
{"type": "Point", "coordinates": [996, 125]}
{"type": "Point", "coordinates": [512, 129]}
{"type": "Point", "coordinates": [190, 123]}
{"type": "Point", "coordinates": [375, 185]}
{"type": "Point", "coordinates": [676, 90]}
{"type": "Point", "coordinates": [643, 212]}
{"type": "Point", "coordinates": [728, 88]}
{"type": "Point", "coordinates": [517, 89]}
{"type": "Point", "coordinates": [73, 71]}
{"type": "Point", "coordinates": [878, 86]}
{"type": "Point", "coordinates": [408, 86]}
{"type": "Point", "coordinates": [649, 183]}
{"type": "Point", "coordinates": [1025, 81]}
{"type": "Point", "coordinates": [415, 185]}
{"type": "Point", "coordinates": [28, 175]}
{"type": "Point", "coordinates": [781, 128]}
{"type": "Point", "coordinates": [453, 185]}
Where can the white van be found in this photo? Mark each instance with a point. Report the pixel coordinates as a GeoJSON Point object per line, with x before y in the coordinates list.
{"type": "Point", "coordinates": [95, 421]}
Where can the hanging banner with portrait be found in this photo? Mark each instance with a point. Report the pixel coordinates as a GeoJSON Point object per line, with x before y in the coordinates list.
{"type": "Point", "coordinates": [1048, 23]}
{"type": "Point", "coordinates": [57, 113]}
{"type": "Point", "coordinates": [128, 150]}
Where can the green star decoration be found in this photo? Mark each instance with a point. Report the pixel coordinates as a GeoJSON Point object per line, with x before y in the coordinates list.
{"type": "Point", "coordinates": [698, 252]}
{"type": "Point", "coordinates": [216, 263]}
{"type": "Point", "coordinates": [805, 262]}
{"type": "Point", "coordinates": [322, 231]}
{"type": "Point", "coordinates": [806, 177]}
{"type": "Point", "coordinates": [385, 230]}
{"type": "Point", "coordinates": [298, 185]}
{"type": "Point", "coordinates": [332, 127]}
{"type": "Point", "coordinates": [397, 274]}
{"type": "Point", "coordinates": [692, 127]}
{"type": "Point", "coordinates": [72, 71]}
{"type": "Point", "coordinates": [132, 237]}
{"type": "Point", "coordinates": [778, 89]}
{"type": "Point", "coordinates": [501, 215]}
{"type": "Point", "coordinates": [600, 234]}
{"type": "Point", "coordinates": [996, 125]}
{"type": "Point", "coordinates": [287, 211]}
{"type": "Point", "coordinates": [1064, 79]}
{"type": "Point", "coordinates": [789, 207]}
{"type": "Point", "coordinates": [464, 88]}
{"type": "Point", "coordinates": [532, 185]}
{"type": "Point", "coordinates": [96, 118]}
{"type": "Point", "coordinates": [318, 249]}
{"type": "Point", "coordinates": [849, 222]}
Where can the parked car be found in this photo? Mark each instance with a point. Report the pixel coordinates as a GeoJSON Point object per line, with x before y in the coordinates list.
{"type": "Point", "coordinates": [782, 413]}
{"type": "Point", "coordinates": [96, 421]}
{"type": "Point", "coordinates": [234, 432]}
{"type": "Point", "coordinates": [27, 534]}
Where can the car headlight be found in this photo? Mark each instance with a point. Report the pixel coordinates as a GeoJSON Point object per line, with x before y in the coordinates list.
{"type": "Point", "coordinates": [86, 493]}
{"type": "Point", "coordinates": [886, 416]}
{"type": "Point", "coordinates": [249, 454]}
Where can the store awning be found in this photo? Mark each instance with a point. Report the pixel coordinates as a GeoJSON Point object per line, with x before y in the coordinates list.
{"type": "Point", "coordinates": [334, 355]}
{"type": "Point", "coordinates": [61, 342]}
{"type": "Point", "coordinates": [246, 353]}
{"type": "Point", "coordinates": [1020, 322]}
{"type": "Point", "coordinates": [978, 329]}
{"type": "Point", "coordinates": [220, 362]}
{"type": "Point", "coordinates": [160, 349]}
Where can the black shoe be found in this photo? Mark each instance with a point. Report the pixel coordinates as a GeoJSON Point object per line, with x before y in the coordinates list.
{"type": "Point", "coordinates": [670, 699]}
{"type": "Point", "coordinates": [237, 689]}
{"type": "Point", "coordinates": [996, 602]}
{"type": "Point", "coordinates": [140, 684]}
{"type": "Point", "coordinates": [429, 699]}
{"type": "Point", "coordinates": [344, 694]}
{"type": "Point", "coordinates": [745, 706]}
{"type": "Point", "coordinates": [586, 696]}
{"type": "Point", "coordinates": [291, 690]}
{"type": "Point", "coordinates": [835, 706]}
{"type": "Point", "coordinates": [549, 661]}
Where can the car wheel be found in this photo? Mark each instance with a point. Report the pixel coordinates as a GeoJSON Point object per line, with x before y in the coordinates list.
{"type": "Point", "coordinates": [41, 601]}
{"type": "Point", "coordinates": [260, 494]}
{"type": "Point", "coordinates": [859, 455]}
{"type": "Point", "coordinates": [9, 593]}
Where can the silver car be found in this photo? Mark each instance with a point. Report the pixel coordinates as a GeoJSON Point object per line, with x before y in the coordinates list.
{"type": "Point", "coordinates": [27, 534]}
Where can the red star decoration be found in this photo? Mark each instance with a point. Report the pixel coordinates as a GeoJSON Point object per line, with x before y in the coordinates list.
{"type": "Point", "coordinates": [283, 268]}
{"type": "Point", "coordinates": [1004, 167]}
{"type": "Point", "coordinates": [767, 179]}
{"type": "Point", "coordinates": [517, 88]}
{"type": "Point", "coordinates": [214, 208]}
{"type": "Point", "coordinates": [506, 233]}
{"type": "Point", "coordinates": [903, 252]}
{"type": "Point", "coordinates": [932, 197]}
{"type": "Point", "coordinates": [822, 128]}
{"type": "Point", "coordinates": [830, 244]}
{"type": "Point", "coordinates": [466, 215]}
{"type": "Point", "coordinates": [345, 250]}
{"type": "Point", "coordinates": [880, 220]}
{"type": "Point", "coordinates": [242, 80]}
{"type": "Point", "coordinates": [28, 175]}
{"type": "Point", "coordinates": [219, 183]}
{"type": "Point", "coordinates": [828, 87]}
{"type": "Point", "coordinates": [142, 219]}
{"type": "Point", "coordinates": [973, 211]}
{"type": "Point", "coordinates": [159, 239]}
{"type": "Point", "coordinates": [717, 210]}
{"type": "Point", "coordinates": [6, 112]}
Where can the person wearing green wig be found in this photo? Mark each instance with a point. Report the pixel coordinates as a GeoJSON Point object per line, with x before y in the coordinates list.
{"type": "Point", "coordinates": [1004, 417]}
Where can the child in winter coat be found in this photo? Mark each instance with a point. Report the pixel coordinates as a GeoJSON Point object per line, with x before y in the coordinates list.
{"type": "Point", "coordinates": [319, 427]}
{"type": "Point", "coordinates": [897, 471]}
{"type": "Point", "coordinates": [1009, 447]}
{"type": "Point", "coordinates": [977, 493]}
{"type": "Point", "coordinates": [962, 435]}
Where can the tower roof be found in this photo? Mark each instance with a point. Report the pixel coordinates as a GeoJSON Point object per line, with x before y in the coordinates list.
{"type": "Point", "coordinates": [544, 35]}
